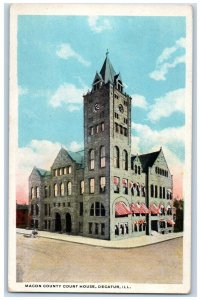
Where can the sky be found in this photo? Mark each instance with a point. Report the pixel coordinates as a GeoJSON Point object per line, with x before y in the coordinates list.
{"type": "Point", "coordinates": [58, 57]}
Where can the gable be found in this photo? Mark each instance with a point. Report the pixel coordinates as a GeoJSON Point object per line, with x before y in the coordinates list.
{"type": "Point", "coordinates": [63, 159]}
{"type": "Point", "coordinates": [161, 162]}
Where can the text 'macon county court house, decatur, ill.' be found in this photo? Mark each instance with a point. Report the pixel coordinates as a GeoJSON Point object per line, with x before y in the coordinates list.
{"type": "Point", "coordinates": [104, 191]}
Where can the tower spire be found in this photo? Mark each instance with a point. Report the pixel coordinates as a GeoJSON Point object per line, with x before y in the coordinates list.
{"type": "Point", "coordinates": [107, 52]}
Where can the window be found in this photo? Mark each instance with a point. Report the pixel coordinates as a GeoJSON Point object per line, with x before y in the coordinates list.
{"type": "Point", "coordinates": [91, 130]}
{"type": "Point", "coordinates": [37, 192]}
{"type": "Point", "coordinates": [45, 209]}
{"type": "Point", "coordinates": [82, 187]}
{"type": "Point", "coordinates": [96, 228]}
{"type": "Point", "coordinates": [116, 115]}
{"type": "Point", "coordinates": [102, 156]}
{"type": "Point", "coordinates": [121, 129]}
{"type": "Point", "coordinates": [116, 157]}
{"type": "Point", "coordinates": [69, 170]}
{"type": "Point", "coordinates": [160, 192]}
{"type": "Point", "coordinates": [156, 170]}
{"type": "Point", "coordinates": [81, 208]}
{"type": "Point", "coordinates": [116, 127]}
{"type": "Point", "coordinates": [37, 209]}
{"type": "Point", "coordinates": [55, 172]}
{"type": "Point", "coordinates": [135, 169]}
{"type": "Point", "coordinates": [91, 159]}
{"type": "Point", "coordinates": [102, 126]}
{"type": "Point", "coordinates": [156, 191]}
{"type": "Point", "coordinates": [102, 184]}
{"type": "Point", "coordinates": [60, 171]}
{"type": "Point", "coordinates": [32, 193]}
{"type": "Point", "coordinates": [138, 170]}
{"type": "Point", "coordinates": [125, 131]}
{"type": "Point", "coordinates": [125, 186]}
{"type": "Point", "coordinates": [163, 192]}
{"type": "Point", "coordinates": [55, 190]}
{"type": "Point", "coordinates": [45, 222]}
{"type": "Point", "coordinates": [116, 184]}
{"type": "Point", "coordinates": [152, 190]}
{"type": "Point", "coordinates": [90, 227]}
{"type": "Point", "coordinates": [62, 189]}
{"type": "Point", "coordinates": [125, 160]}
{"type": "Point", "coordinates": [97, 209]}
{"type": "Point", "coordinates": [91, 185]}
{"type": "Point", "coordinates": [46, 191]}
{"type": "Point", "coordinates": [102, 229]}
{"type": "Point", "coordinates": [69, 188]}
{"type": "Point", "coordinates": [97, 128]}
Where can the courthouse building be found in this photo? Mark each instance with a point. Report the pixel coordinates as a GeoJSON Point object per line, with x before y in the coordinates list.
{"type": "Point", "coordinates": [104, 191]}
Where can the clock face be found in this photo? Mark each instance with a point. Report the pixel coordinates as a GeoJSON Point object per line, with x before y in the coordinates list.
{"type": "Point", "coordinates": [121, 109]}
{"type": "Point", "coordinates": [96, 107]}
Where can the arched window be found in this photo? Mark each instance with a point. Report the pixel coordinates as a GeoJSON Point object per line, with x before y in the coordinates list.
{"type": "Point", "coordinates": [46, 191]}
{"type": "Point", "coordinates": [116, 157]}
{"type": "Point", "coordinates": [32, 193]}
{"type": "Point", "coordinates": [97, 209]}
{"type": "Point", "coordinates": [156, 191]}
{"type": "Point", "coordinates": [138, 170]}
{"type": "Point", "coordinates": [135, 169]}
{"type": "Point", "coordinates": [37, 192]}
{"type": "Point", "coordinates": [82, 187]}
{"type": "Point", "coordinates": [152, 190]}
{"type": "Point", "coordinates": [55, 190]}
{"type": "Point", "coordinates": [160, 192]}
{"type": "Point", "coordinates": [102, 156]}
{"type": "Point", "coordinates": [69, 188]}
{"type": "Point", "coordinates": [125, 160]}
{"type": "Point", "coordinates": [91, 159]}
{"type": "Point", "coordinates": [62, 189]}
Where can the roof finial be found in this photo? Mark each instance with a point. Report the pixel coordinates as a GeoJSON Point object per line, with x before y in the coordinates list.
{"type": "Point", "coordinates": [107, 52]}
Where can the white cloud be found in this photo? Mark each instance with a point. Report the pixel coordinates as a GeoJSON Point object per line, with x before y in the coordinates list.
{"type": "Point", "coordinates": [40, 154]}
{"type": "Point", "coordinates": [68, 94]}
{"type": "Point", "coordinates": [172, 141]}
{"type": "Point", "coordinates": [173, 101]}
{"type": "Point", "coordinates": [98, 24]}
{"type": "Point", "coordinates": [162, 63]}
{"type": "Point", "coordinates": [22, 91]}
{"type": "Point", "coordinates": [65, 51]}
{"type": "Point", "coordinates": [171, 137]}
{"type": "Point", "coordinates": [139, 101]}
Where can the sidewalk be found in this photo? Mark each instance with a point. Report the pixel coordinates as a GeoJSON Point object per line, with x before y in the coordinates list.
{"type": "Point", "coordinates": [127, 243]}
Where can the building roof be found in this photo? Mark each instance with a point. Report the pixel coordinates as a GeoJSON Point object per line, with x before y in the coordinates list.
{"type": "Point", "coordinates": [107, 71]}
{"type": "Point", "coordinates": [147, 160]}
{"type": "Point", "coordinates": [78, 156]}
{"type": "Point", "coordinates": [43, 172]}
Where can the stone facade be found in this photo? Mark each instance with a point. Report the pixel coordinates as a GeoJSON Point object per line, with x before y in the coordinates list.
{"type": "Point", "coordinates": [104, 191]}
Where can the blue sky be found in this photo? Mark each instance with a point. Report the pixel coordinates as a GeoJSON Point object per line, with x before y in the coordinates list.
{"type": "Point", "coordinates": [58, 57]}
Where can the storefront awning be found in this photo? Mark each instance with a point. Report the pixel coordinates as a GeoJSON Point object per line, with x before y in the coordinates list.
{"type": "Point", "coordinates": [144, 209]}
{"type": "Point", "coordinates": [121, 209]}
{"type": "Point", "coordinates": [154, 209]}
{"type": "Point", "coordinates": [135, 208]}
{"type": "Point", "coordinates": [171, 222]}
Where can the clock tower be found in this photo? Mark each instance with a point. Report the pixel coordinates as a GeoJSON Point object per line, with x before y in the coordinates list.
{"type": "Point", "coordinates": [107, 146]}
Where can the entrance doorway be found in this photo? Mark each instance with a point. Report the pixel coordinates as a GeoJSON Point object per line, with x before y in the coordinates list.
{"type": "Point", "coordinates": [154, 225]}
{"type": "Point", "coordinates": [68, 223]}
{"type": "Point", "coordinates": [57, 222]}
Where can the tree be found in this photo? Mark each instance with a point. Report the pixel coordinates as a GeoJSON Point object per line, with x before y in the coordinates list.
{"type": "Point", "coordinates": [179, 205]}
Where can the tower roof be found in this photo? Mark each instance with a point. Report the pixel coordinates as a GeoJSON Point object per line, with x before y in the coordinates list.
{"type": "Point", "coordinates": [107, 71]}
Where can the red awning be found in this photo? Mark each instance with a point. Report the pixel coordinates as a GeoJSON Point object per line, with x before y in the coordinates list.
{"type": "Point", "coordinates": [121, 209]}
{"type": "Point", "coordinates": [139, 222]}
{"type": "Point", "coordinates": [135, 208]}
{"type": "Point", "coordinates": [144, 209]}
{"type": "Point", "coordinates": [139, 208]}
{"type": "Point", "coordinates": [154, 209]}
{"type": "Point", "coordinates": [116, 180]}
{"type": "Point", "coordinates": [170, 221]}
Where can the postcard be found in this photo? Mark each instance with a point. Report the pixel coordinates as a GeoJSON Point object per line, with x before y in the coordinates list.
{"type": "Point", "coordinates": [100, 148]}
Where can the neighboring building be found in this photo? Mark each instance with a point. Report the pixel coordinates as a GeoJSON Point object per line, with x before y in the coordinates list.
{"type": "Point", "coordinates": [104, 191]}
{"type": "Point", "coordinates": [22, 215]}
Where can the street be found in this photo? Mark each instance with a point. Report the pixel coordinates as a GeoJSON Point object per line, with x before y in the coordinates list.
{"type": "Point", "coordinates": [46, 260]}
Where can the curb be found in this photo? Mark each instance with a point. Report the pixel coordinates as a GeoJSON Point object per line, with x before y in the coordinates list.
{"type": "Point", "coordinates": [144, 244]}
